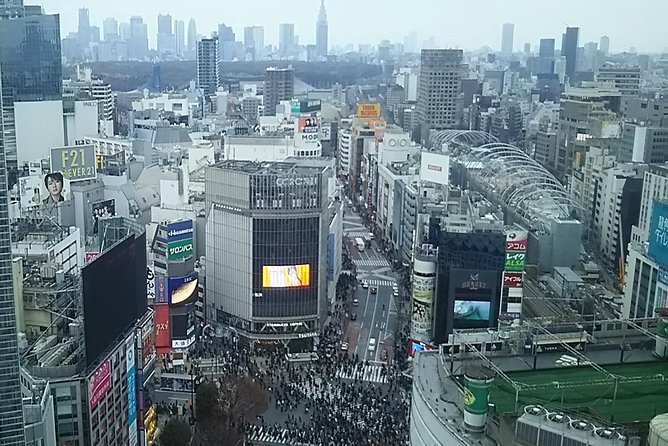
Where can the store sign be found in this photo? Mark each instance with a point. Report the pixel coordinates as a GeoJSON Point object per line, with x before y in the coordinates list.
{"type": "Point", "coordinates": [513, 280]}
{"type": "Point", "coordinates": [183, 343]}
{"type": "Point", "coordinates": [516, 241]}
{"type": "Point", "coordinates": [658, 233]}
{"type": "Point", "coordinates": [180, 249]}
{"type": "Point", "coordinates": [474, 282]}
{"type": "Point", "coordinates": [299, 181]}
{"type": "Point", "coordinates": [515, 261]}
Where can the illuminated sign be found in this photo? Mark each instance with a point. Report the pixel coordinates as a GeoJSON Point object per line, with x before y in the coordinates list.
{"type": "Point", "coordinates": [658, 233]}
{"type": "Point", "coordinates": [516, 241]}
{"type": "Point", "coordinates": [179, 250]}
{"type": "Point", "coordinates": [515, 261]}
{"type": "Point", "coordinates": [162, 328]}
{"type": "Point", "coordinates": [288, 276]}
{"type": "Point", "coordinates": [368, 111]}
{"type": "Point", "coordinates": [77, 163]}
{"type": "Point", "coordinates": [513, 280]}
{"type": "Point", "coordinates": [131, 369]}
{"type": "Point", "coordinates": [99, 384]}
{"type": "Point", "coordinates": [180, 240]}
{"type": "Point", "coordinates": [183, 290]}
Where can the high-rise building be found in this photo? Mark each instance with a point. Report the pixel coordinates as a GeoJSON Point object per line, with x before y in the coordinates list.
{"type": "Point", "coordinates": [83, 31]}
{"type": "Point", "coordinates": [267, 249]}
{"type": "Point", "coordinates": [569, 50]}
{"type": "Point", "coordinates": [439, 101]}
{"type": "Point", "coordinates": [208, 65]}
{"type": "Point", "coordinates": [138, 41]}
{"type": "Point", "coordinates": [321, 32]}
{"type": "Point", "coordinates": [546, 48]}
{"type": "Point", "coordinates": [179, 37]}
{"type": "Point", "coordinates": [110, 29]}
{"type": "Point", "coordinates": [626, 79]}
{"type": "Point", "coordinates": [286, 38]}
{"type": "Point", "coordinates": [164, 24]}
{"type": "Point", "coordinates": [507, 39]}
{"type": "Point", "coordinates": [254, 41]}
{"type": "Point", "coordinates": [227, 45]}
{"type": "Point", "coordinates": [165, 37]}
{"type": "Point", "coordinates": [604, 45]}
{"type": "Point", "coordinates": [279, 85]}
{"type": "Point", "coordinates": [11, 410]}
{"type": "Point", "coordinates": [192, 35]}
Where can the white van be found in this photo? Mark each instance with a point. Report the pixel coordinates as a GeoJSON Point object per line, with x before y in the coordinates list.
{"type": "Point", "coordinates": [372, 344]}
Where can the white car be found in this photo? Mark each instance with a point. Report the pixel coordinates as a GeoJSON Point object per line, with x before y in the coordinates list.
{"type": "Point", "coordinates": [344, 346]}
{"type": "Point", "coordinates": [365, 284]}
{"type": "Point", "coordinates": [356, 302]}
{"type": "Point", "coordinates": [372, 344]}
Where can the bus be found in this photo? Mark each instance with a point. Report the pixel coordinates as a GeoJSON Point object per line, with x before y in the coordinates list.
{"type": "Point", "coordinates": [360, 244]}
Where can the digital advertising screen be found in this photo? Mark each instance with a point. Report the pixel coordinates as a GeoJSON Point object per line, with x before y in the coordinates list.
{"type": "Point", "coordinates": [287, 276]}
{"type": "Point", "coordinates": [470, 310]}
{"type": "Point", "coordinates": [183, 290]}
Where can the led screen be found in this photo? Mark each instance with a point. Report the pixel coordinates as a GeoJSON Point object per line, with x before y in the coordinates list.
{"type": "Point", "coordinates": [290, 276]}
{"type": "Point", "coordinates": [470, 310]}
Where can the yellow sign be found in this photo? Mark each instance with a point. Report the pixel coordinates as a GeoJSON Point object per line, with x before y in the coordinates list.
{"type": "Point", "coordinates": [368, 111]}
{"type": "Point", "coordinates": [469, 398]}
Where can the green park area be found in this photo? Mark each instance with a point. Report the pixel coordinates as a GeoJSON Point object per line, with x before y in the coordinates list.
{"type": "Point", "coordinates": [642, 391]}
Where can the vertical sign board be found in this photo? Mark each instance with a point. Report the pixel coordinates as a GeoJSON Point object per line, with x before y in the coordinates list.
{"type": "Point", "coordinates": [131, 370]}
{"type": "Point", "coordinates": [658, 233]}
{"type": "Point", "coordinates": [99, 384]}
{"type": "Point", "coordinates": [162, 336]}
{"type": "Point", "coordinates": [180, 240]}
{"type": "Point", "coordinates": [512, 290]}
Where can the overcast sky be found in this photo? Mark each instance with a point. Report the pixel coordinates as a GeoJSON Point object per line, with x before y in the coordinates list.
{"type": "Point", "coordinates": [468, 24]}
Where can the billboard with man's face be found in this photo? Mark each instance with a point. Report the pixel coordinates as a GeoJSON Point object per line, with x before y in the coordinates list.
{"type": "Point", "coordinates": [43, 191]}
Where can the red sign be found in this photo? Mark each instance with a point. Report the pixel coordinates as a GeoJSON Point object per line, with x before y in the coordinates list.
{"type": "Point", "coordinates": [513, 280]}
{"type": "Point", "coordinates": [90, 256]}
{"type": "Point", "coordinates": [516, 241]}
{"type": "Point", "coordinates": [162, 343]}
{"type": "Point", "coordinates": [99, 384]}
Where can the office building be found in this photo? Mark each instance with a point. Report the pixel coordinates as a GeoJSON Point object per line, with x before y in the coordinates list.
{"type": "Point", "coordinates": [192, 36]}
{"type": "Point", "coordinates": [507, 39]}
{"type": "Point", "coordinates": [626, 79]}
{"type": "Point", "coordinates": [321, 32]}
{"type": "Point", "coordinates": [11, 410]}
{"type": "Point", "coordinates": [546, 48]}
{"type": "Point", "coordinates": [604, 45]}
{"type": "Point", "coordinates": [286, 39]}
{"type": "Point", "coordinates": [254, 42]}
{"type": "Point", "coordinates": [138, 41]}
{"type": "Point", "coordinates": [110, 30]}
{"type": "Point", "coordinates": [227, 44]}
{"type": "Point", "coordinates": [279, 85]}
{"type": "Point", "coordinates": [266, 250]}
{"type": "Point", "coordinates": [208, 66]}
{"type": "Point", "coordinates": [439, 99]}
{"type": "Point", "coordinates": [179, 37]}
{"type": "Point", "coordinates": [165, 37]}
{"type": "Point", "coordinates": [569, 50]}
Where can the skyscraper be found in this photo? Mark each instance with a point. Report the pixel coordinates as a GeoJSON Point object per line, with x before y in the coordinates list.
{"type": "Point", "coordinates": [83, 31]}
{"type": "Point", "coordinates": [604, 45]}
{"type": "Point", "coordinates": [286, 38]}
{"type": "Point", "coordinates": [439, 102]}
{"type": "Point", "coordinates": [192, 35]}
{"type": "Point", "coordinates": [138, 42]}
{"type": "Point", "coordinates": [180, 37]}
{"type": "Point", "coordinates": [507, 39]}
{"type": "Point", "coordinates": [165, 37]}
{"type": "Point", "coordinates": [110, 29]}
{"type": "Point", "coordinates": [208, 65]}
{"type": "Point", "coordinates": [279, 85]}
{"type": "Point", "coordinates": [546, 48]}
{"type": "Point", "coordinates": [321, 31]}
{"type": "Point", "coordinates": [254, 41]}
{"type": "Point", "coordinates": [227, 45]}
{"type": "Point", "coordinates": [569, 49]}
{"type": "Point", "coordinates": [11, 409]}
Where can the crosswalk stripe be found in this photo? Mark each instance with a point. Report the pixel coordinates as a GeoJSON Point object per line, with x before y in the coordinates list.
{"type": "Point", "coordinates": [371, 262]}
{"type": "Point", "coordinates": [376, 282]}
{"type": "Point", "coordinates": [370, 373]}
{"type": "Point", "coordinates": [261, 436]}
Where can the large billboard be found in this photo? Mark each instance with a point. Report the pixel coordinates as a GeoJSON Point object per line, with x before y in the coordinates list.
{"type": "Point", "coordinates": [475, 295]}
{"type": "Point", "coordinates": [305, 106]}
{"type": "Point", "coordinates": [180, 240]}
{"type": "Point", "coordinates": [516, 241]}
{"type": "Point", "coordinates": [515, 261]}
{"type": "Point", "coordinates": [102, 209]}
{"type": "Point", "coordinates": [308, 131]}
{"type": "Point", "coordinates": [131, 369]}
{"type": "Point", "coordinates": [43, 191]}
{"type": "Point", "coordinates": [471, 310]}
{"type": "Point", "coordinates": [99, 384]}
{"type": "Point", "coordinates": [658, 233]}
{"type": "Point", "coordinates": [77, 163]}
{"type": "Point", "coordinates": [513, 280]}
{"type": "Point", "coordinates": [286, 276]}
{"type": "Point", "coordinates": [183, 290]}
{"type": "Point", "coordinates": [421, 319]}
{"type": "Point", "coordinates": [435, 168]}
{"type": "Point", "coordinates": [368, 111]}
{"type": "Point", "coordinates": [162, 345]}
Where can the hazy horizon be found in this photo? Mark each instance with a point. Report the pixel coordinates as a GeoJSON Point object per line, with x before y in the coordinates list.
{"type": "Point", "coordinates": [451, 22]}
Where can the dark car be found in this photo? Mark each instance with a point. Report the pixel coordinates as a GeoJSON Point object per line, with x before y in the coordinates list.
{"type": "Point", "coordinates": [353, 316]}
{"type": "Point", "coordinates": [383, 355]}
{"type": "Point", "coordinates": [374, 290]}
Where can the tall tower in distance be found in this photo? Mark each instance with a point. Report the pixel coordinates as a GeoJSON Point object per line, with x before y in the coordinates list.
{"type": "Point", "coordinates": [507, 39]}
{"type": "Point", "coordinates": [208, 69]}
{"type": "Point", "coordinates": [604, 45]}
{"type": "Point", "coordinates": [279, 85]}
{"type": "Point", "coordinates": [569, 49]}
{"type": "Point", "coordinates": [11, 406]}
{"type": "Point", "coordinates": [321, 32]}
{"type": "Point", "coordinates": [192, 35]}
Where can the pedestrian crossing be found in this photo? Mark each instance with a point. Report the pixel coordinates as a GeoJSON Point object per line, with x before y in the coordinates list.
{"type": "Point", "coordinates": [370, 373]}
{"type": "Point", "coordinates": [371, 262]}
{"type": "Point", "coordinates": [355, 234]}
{"type": "Point", "coordinates": [376, 282]}
{"type": "Point", "coordinates": [263, 436]}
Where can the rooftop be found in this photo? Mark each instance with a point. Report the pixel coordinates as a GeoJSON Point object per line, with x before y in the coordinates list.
{"type": "Point", "coordinates": [270, 168]}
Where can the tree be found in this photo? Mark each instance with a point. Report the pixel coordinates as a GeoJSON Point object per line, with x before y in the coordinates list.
{"type": "Point", "coordinates": [175, 432]}
{"type": "Point", "coordinates": [207, 403]}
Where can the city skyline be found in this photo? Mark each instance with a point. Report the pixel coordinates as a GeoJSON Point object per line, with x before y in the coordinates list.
{"type": "Point", "coordinates": [626, 28]}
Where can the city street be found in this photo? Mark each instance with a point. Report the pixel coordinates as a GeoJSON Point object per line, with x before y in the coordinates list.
{"type": "Point", "coordinates": [376, 313]}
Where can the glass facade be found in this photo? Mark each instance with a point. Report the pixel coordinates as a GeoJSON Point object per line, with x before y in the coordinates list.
{"type": "Point", "coordinates": [11, 410]}
{"type": "Point", "coordinates": [286, 242]}
{"type": "Point", "coordinates": [30, 56]}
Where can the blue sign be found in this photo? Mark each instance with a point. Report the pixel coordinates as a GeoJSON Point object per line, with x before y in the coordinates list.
{"type": "Point", "coordinates": [180, 230]}
{"type": "Point", "coordinates": [658, 233]}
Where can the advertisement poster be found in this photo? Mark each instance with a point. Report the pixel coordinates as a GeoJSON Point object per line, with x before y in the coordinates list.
{"type": "Point", "coordinates": [289, 276]}
{"type": "Point", "coordinates": [658, 233]}
{"type": "Point", "coordinates": [162, 328]}
{"type": "Point", "coordinates": [423, 288]}
{"type": "Point", "coordinates": [99, 384]}
{"type": "Point", "coordinates": [515, 261]}
{"type": "Point", "coordinates": [513, 280]}
{"type": "Point", "coordinates": [102, 209]}
{"type": "Point", "coordinates": [368, 111]}
{"type": "Point", "coordinates": [516, 241]}
{"type": "Point", "coordinates": [183, 290]}
{"type": "Point", "coordinates": [435, 168]}
{"type": "Point", "coordinates": [131, 369]}
{"type": "Point", "coordinates": [180, 240]}
{"type": "Point", "coordinates": [77, 163]}
{"type": "Point", "coordinates": [43, 191]}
